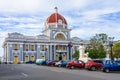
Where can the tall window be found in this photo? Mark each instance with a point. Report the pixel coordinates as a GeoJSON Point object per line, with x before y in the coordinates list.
{"type": "Point", "coordinates": [32, 47]}
{"type": "Point", "coordinates": [64, 48]}
{"type": "Point", "coordinates": [15, 46]}
{"type": "Point", "coordinates": [59, 47]}
{"type": "Point", "coordinates": [26, 47]}
{"type": "Point", "coordinates": [43, 47]}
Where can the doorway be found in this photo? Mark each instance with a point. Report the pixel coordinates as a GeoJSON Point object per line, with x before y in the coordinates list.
{"type": "Point", "coordinates": [26, 58]}
{"type": "Point", "coordinates": [32, 58]}
{"type": "Point", "coordinates": [64, 57]}
{"type": "Point", "coordinates": [60, 56]}
{"type": "Point", "coordinates": [15, 59]}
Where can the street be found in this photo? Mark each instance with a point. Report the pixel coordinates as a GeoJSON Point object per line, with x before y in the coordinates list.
{"type": "Point", "coordinates": [37, 72]}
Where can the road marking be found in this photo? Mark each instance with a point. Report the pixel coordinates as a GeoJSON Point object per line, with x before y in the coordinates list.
{"type": "Point", "coordinates": [25, 75]}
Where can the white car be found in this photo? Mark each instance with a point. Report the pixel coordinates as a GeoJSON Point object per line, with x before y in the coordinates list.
{"type": "Point", "coordinates": [58, 64]}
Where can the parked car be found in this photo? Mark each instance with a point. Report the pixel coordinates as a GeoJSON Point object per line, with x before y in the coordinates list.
{"type": "Point", "coordinates": [51, 62]}
{"type": "Point", "coordinates": [94, 65]}
{"type": "Point", "coordinates": [30, 62]}
{"type": "Point", "coordinates": [64, 63]}
{"type": "Point", "coordinates": [111, 65]}
{"type": "Point", "coordinates": [40, 61]}
{"type": "Point", "coordinates": [75, 64]}
{"type": "Point", "coordinates": [58, 64]}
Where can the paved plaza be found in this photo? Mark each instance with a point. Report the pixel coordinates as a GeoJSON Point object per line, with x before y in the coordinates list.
{"type": "Point", "coordinates": [37, 72]}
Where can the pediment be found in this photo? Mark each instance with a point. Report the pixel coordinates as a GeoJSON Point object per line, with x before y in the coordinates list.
{"type": "Point", "coordinates": [15, 35]}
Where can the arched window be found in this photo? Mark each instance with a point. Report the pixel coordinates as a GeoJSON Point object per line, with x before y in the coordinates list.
{"type": "Point", "coordinates": [60, 36]}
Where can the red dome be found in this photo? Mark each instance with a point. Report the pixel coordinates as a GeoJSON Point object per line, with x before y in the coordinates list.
{"type": "Point", "coordinates": [53, 18]}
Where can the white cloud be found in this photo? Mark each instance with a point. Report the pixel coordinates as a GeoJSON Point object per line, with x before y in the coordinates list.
{"type": "Point", "coordinates": [94, 14]}
{"type": "Point", "coordinates": [83, 16]}
{"type": "Point", "coordinates": [19, 5]}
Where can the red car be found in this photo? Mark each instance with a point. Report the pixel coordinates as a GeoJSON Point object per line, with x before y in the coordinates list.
{"type": "Point", "coordinates": [51, 63]}
{"type": "Point", "coordinates": [94, 65]}
{"type": "Point", "coordinates": [75, 64]}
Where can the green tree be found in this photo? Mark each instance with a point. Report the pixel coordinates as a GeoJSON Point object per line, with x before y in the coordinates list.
{"type": "Point", "coordinates": [116, 49]}
{"type": "Point", "coordinates": [76, 54]}
{"type": "Point", "coordinates": [96, 48]}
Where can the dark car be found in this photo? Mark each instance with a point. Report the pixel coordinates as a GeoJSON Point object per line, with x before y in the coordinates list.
{"type": "Point", "coordinates": [64, 63]}
{"type": "Point", "coordinates": [94, 65]}
{"type": "Point", "coordinates": [30, 62]}
{"type": "Point", "coordinates": [51, 62]}
{"type": "Point", "coordinates": [111, 65]}
{"type": "Point", "coordinates": [75, 64]}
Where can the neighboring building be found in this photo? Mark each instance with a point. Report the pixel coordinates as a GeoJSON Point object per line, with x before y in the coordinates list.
{"type": "Point", "coordinates": [54, 44]}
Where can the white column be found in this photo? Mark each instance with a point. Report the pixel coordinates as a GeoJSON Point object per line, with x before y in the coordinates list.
{"type": "Point", "coordinates": [38, 51]}
{"type": "Point", "coordinates": [54, 52]}
{"type": "Point", "coordinates": [50, 52]}
{"type": "Point", "coordinates": [71, 53]}
{"type": "Point", "coordinates": [7, 53]}
{"type": "Point", "coordinates": [21, 50]}
{"type": "Point", "coordinates": [46, 52]}
{"type": "Point", "coordinates": [67, 53]}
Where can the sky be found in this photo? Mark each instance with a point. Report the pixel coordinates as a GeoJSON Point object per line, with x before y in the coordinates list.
{"type": "Point", "coordinates": [85, 17]}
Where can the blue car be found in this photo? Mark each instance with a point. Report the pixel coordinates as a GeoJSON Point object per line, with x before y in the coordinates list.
{"type": "Point", "coordinates": [111, 65]}
{"type": "Point", "coordinates": [64, 63]}
{"type": "Point", "coordinates": [40, 61]}
{"type": "Point", "coordinates": [30, 62]}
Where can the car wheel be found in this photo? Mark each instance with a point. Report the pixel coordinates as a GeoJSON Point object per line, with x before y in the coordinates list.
{"type": "Point", "coordinates": [72, 67]}
{"type": "Point", "coordinates": [59, 65]}
{"type": "Point", "coordinates": [93, 68]}
{"type": "Point", "coordinates": [107, 70]}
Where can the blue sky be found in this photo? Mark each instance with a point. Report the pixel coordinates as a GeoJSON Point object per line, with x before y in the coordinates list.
{"type": "Point", "coordinates": [85, 17]}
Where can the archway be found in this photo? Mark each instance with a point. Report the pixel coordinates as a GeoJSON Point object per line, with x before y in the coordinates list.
{"type": "Point", "coordinates": [60, 36]}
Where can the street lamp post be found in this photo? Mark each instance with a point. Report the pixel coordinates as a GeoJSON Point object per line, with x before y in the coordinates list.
{"type": "Point", "coordinates": [111, 45]}
{"type": "Point", "coordinates": [69, 46]}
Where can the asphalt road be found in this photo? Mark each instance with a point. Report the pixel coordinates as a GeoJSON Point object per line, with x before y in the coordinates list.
{"type": "Point", "coordinates": [35, 72]}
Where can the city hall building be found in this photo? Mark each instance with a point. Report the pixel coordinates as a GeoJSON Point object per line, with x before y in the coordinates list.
{"type": "Point", "coordinates": [54, 44]}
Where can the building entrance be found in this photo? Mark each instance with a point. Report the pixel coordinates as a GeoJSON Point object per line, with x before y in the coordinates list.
{"type": "Point", "coordinates": [32, 58]}
{"type": "Point", "coordinates": [64, 57]}
{"type": "Point", "coordinates": [26, 58]}
{"type": "Point", "coordinates": [15, 59]}
{"type": "Point", "coordinates": [60, 56]}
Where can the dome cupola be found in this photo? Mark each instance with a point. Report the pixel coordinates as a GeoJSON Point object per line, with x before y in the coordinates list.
{"type": "Point", "coordinates": [56, 19]}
